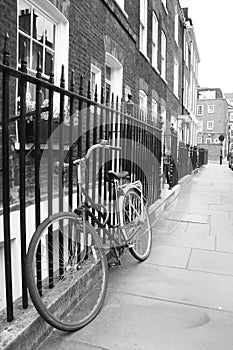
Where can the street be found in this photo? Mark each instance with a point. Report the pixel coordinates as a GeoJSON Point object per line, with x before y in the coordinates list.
{"type": "Point", "coordinates": [181, 298]}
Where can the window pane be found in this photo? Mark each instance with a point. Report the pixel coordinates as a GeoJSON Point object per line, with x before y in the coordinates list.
{"type": "Point", "coordinates": [35, 49]}
{"type": "Point", "coordinates": [93, 84]}
{"type": "Point", "coordinates": [25, 17]}
{"type": "Point", "coordinates": [108, 73]}
{"type": "Point", "coordinates": [49, 57]}
{"type": "Point", "coordinates": [38, 26]}
{"type": "Point", "coordinates": [49, 34]}
{"type": "Point", "coordinates": [22, 40]}
{"type": "Point", "coordinates": [108, 92]}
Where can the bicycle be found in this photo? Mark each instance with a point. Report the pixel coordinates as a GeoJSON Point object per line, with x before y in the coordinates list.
{"type": "Point", "coordinates": [66, 263]}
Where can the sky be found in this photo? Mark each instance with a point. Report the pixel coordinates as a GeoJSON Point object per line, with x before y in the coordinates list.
{"type": "Point", "coordinates": [212, 22]}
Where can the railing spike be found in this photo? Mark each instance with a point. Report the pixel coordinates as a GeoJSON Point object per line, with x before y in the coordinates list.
{"type": "Point", "coordinates": [96, 94]}
{"type": "Point", "coordinates": [102, 96]}
{"type": "Point", "coordinates": [23, 58]}
{"type": "Point", "coordinates": [6, 50]}
{"type": "Point", "coordinates": [51, 77]}
{"type": "Point", "coordinates": [81, 85]}
{"type": "Point", "coordinates": [117, 103]}
{"type": "Point", "coordinates": [39, 67]}
{"type": "Point", "coordinates": [62, 81]}
{"type": "Point", "coordinates": [72, 82]}
{"type": "Point", "coordinates": [89, 90]}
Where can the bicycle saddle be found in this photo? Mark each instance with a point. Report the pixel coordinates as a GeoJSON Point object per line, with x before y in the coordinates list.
{"type": "Point", "coordinates": [120, 175]}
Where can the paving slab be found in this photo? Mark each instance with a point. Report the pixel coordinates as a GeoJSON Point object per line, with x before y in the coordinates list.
{"type": "Point", "coordinates": [173, 284]}
{"type": "Point", "coordinates": [221, 226]}
{"type": "Point", "coordinates": [187, 235]}
{"type": "Point", "coordinates": [210, 261]}
{"type": "Point", "coordinates": [134, 322]}
{"type": "Point", "coordinates": [169, 256]}
{"type": "Point", "coordinates": [224, 243]}
{"type": "Point", "coordinates": [221, 207]}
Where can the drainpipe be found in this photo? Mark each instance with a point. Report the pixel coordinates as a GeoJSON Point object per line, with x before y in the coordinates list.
{"type": "Point", "coordinates": [182, 69]}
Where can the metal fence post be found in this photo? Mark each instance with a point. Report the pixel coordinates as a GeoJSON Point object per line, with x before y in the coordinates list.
{"type": "Point", "coordinates": [6, 185]}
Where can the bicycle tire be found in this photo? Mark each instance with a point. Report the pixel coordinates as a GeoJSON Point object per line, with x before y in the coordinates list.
{"type": "Point", "coordinates": [137, 230]}
{"type": "Point", "coordinates": [75, 291]}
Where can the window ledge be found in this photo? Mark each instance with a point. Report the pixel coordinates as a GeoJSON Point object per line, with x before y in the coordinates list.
{"type": "Point", "coordinates": [43, 146]}
{"type": "Point", "coordinates": [143, 53]}
{"type": "Point", "coordinates": [156, 70]}
{"type": "Point", "coordinates": [165, 9]}
{"type": "Point", "coordinates": [165, 81]}
{"type": "Point", "coordinates": [121, 9]}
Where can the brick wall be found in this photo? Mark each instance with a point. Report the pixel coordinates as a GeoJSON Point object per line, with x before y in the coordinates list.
{"type": "Point", "coordinates": [97, 26]}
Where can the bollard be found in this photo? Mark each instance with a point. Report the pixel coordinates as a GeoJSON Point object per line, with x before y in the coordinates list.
{"type": "Point", "coordinates": [170, 173]}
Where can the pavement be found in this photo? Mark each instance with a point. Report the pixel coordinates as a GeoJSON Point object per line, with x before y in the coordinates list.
{"type": "Point", "coordinates": [181, 297]}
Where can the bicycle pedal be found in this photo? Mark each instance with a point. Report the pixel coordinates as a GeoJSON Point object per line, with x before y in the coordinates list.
{"type": "Point", "coordinates": [113, 252]}
{"type": "Point", "coordinates": [114, 263]}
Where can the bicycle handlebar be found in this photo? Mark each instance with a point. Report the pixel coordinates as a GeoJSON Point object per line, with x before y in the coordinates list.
{"type": "Point", "coordinates": [102, 144]}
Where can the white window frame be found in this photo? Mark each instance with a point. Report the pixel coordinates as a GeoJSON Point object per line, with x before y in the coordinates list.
{"type": "Point", "coordinates": [117, 76]}
{"type": "Point", "coordinates": [143, 26]}
{"type": "Point", "coordinates": [210, 109]}
{"type": "Point", "coordinates": [47, 9]}
{"type": "Point", "coordinates": [164, 2]}
{"type": "Point", "coordinates": [155, 40]}
{"type": "Point", "coordinates": [199, 139]}
{"type": "Point", "coordinates": [154, 110]}
{"type": "Point", "coordinates": [176, 29]}
{"type": "Point", "coordinates": [200, 126]}
{"type": "Point", "coordinates": [121, 4]}
{"type": "Point", "coordinates": [62, 35]}
{"type": "Point", "coordinates": [176, 77]}
{"type": "Point", "coordinates": [163, 54]}
{"type": "Point", "coordinates": [208, 140]}
{"type": "Point", "coordinates": [97, 72]}
{"type": "Point", "coordinates": [200, 110]}
{"type": "Point", "coordinates": [143, 105]}
{"type": "Point", "coordinates": [210, 125]}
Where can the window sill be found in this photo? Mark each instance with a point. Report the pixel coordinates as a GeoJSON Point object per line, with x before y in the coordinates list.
{"type": "Point", "coordinates": [165, 9]}
{"type": "Point", "coordinates": [121, 9]}
{"type": "Point", "coordinates": [165, 81]}
{"type": "Point", "coordinates": [29, 146]}
{"type": "Point", "coordinates": [145, 55]}
{"type": "Point", "coordinates": [156, 70]}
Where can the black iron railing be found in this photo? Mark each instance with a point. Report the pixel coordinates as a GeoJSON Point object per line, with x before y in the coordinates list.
{"type": "Point", "coordinates": [80, 123]}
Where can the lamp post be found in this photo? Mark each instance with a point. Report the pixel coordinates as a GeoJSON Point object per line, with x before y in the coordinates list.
{"type": "Point", "coordinates": [221, 139]}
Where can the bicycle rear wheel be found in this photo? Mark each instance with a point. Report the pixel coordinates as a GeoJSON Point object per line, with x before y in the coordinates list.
{"type": "Point", "coordinates": [136, 225]}
{"type": "Point", "coordinates": [67, 272]}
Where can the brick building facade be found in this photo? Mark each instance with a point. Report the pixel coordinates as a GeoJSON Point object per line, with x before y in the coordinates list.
{"type": "Point", "coordinates": [142, 48]}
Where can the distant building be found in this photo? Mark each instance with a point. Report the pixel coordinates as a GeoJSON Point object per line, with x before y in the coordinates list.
{"type": "Point", "coordinates": [229, 98]}
{"type": "Point", "coordinates": [212, 114]}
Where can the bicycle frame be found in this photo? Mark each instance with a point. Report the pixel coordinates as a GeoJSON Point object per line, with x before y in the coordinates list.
{"type": "Point", "coordinates": [84, 208]}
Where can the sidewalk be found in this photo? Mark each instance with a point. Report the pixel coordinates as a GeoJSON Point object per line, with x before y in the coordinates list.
{"type": "Point", "coordinates": [181, 298]}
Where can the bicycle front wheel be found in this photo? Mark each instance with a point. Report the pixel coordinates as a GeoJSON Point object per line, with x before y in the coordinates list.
{"type": "Point", "coordinates": [67, 272]}
{"type": "Point", "coordinates": [136, 225]}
